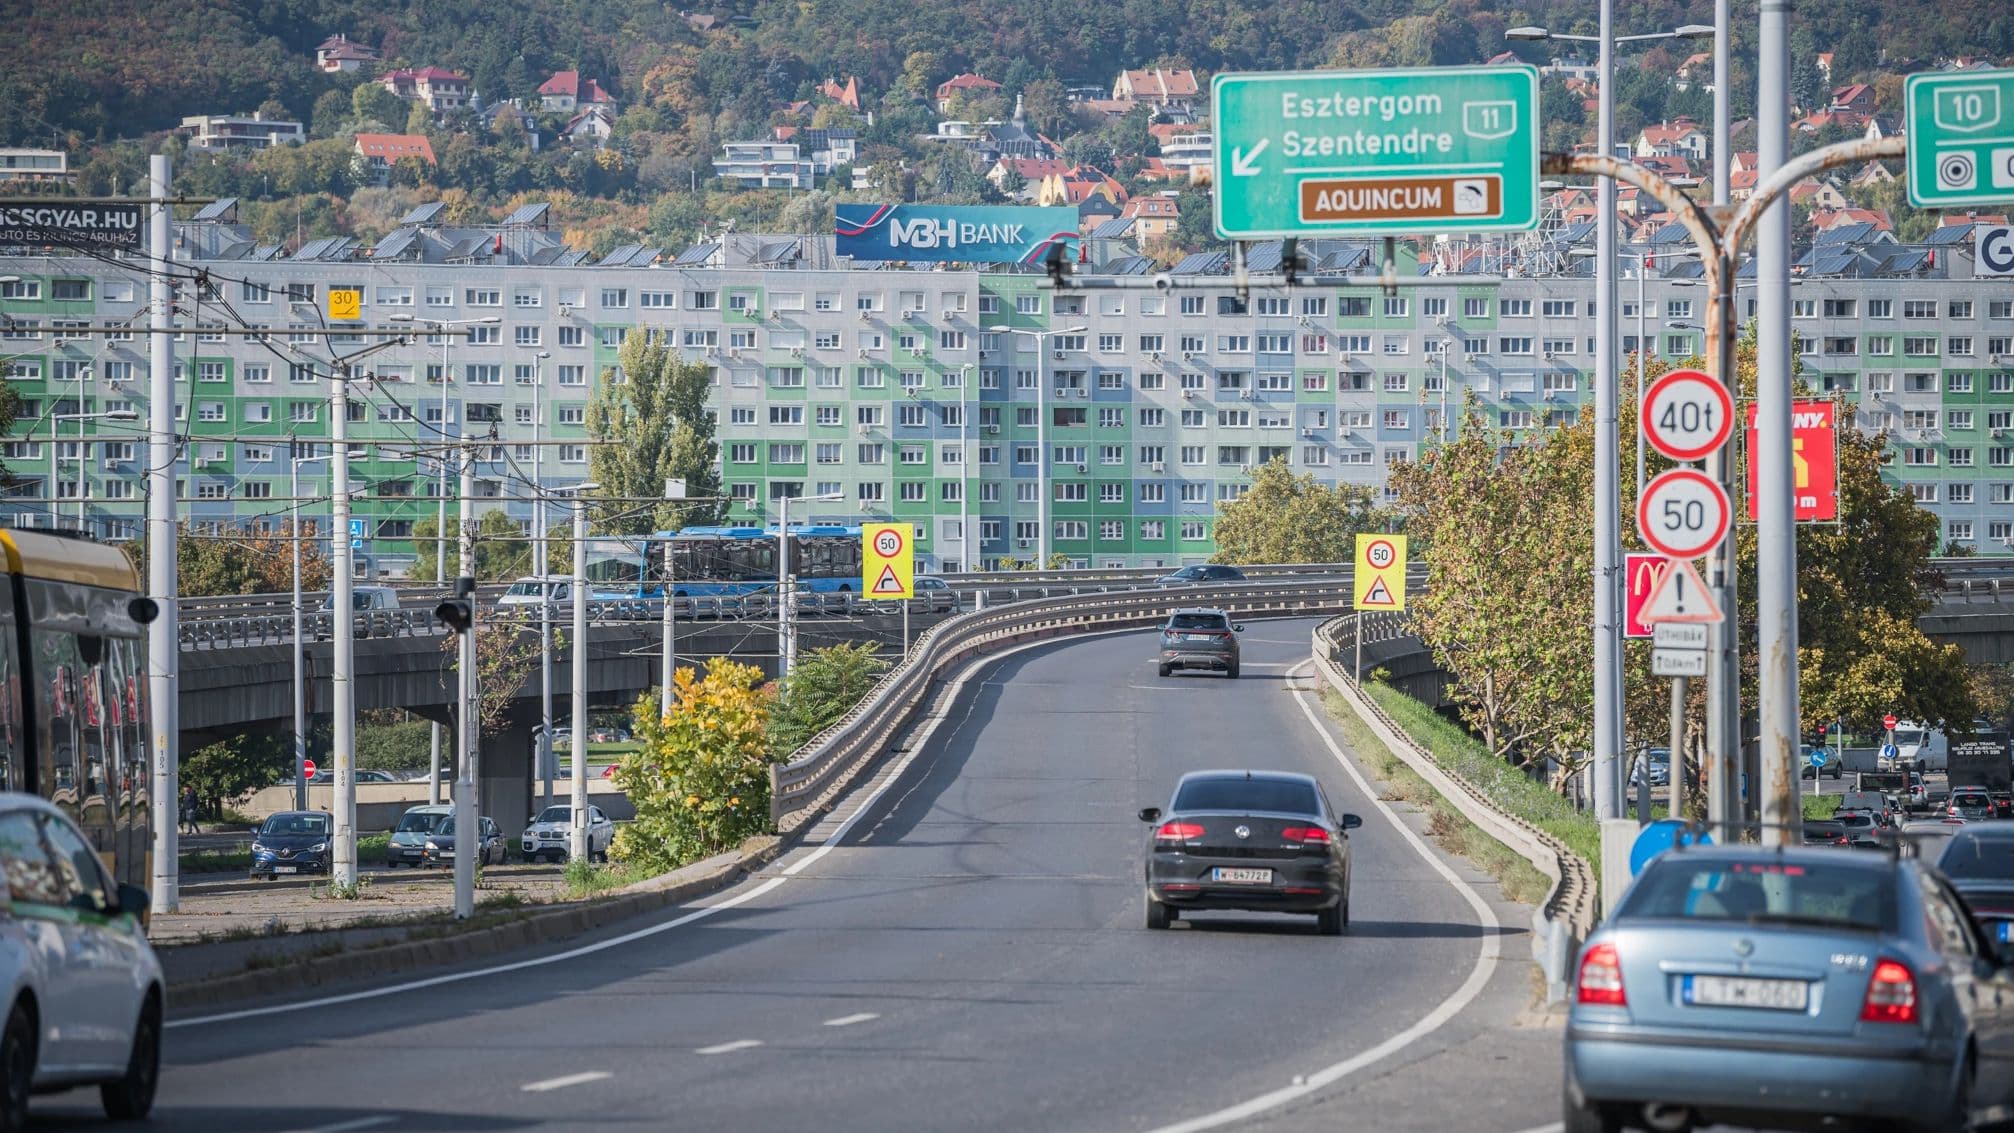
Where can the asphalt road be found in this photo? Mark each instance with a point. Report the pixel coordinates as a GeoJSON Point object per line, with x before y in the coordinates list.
{"type": "Point", "coordinates": [968, 954]}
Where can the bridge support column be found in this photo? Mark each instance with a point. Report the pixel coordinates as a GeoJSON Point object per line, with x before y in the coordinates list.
{"type": "Point", "coordinates": [505, 791]}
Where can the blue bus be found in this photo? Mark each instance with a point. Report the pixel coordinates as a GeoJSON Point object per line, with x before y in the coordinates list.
{"type": "Point", "coordinates": [733, 561]}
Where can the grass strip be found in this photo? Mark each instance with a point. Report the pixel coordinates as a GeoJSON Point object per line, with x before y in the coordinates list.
{"type": "Point", "coordinates": [1519, 880]}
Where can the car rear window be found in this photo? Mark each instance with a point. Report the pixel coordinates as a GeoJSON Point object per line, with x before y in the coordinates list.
{"type": "Point", "coordinates": [1969, 857]}
{"type": "Point", "coordinates": [1197, 621]}
{"type": "Point", "coordinates": [1247, 794]}
{"type": "Point", "coordinates": [1763, 891]}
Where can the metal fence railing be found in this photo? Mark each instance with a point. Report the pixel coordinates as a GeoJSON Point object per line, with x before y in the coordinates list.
{"type": "Point", "coordinates": [1570, 912]}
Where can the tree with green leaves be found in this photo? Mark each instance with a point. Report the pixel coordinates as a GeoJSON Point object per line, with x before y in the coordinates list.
{"type": "Point", "coordinates": [822, 687]}
{"type": "Point", "coordinates": [241, 562]}
{"type": "Point", "coordinates": [231, 769]}
{"type": "Point", "coordinates": [648, 427]}
{"type": "Point", "coordinates": [699, 778]}
{"type": "Point", "coordinates": [1286, 518]}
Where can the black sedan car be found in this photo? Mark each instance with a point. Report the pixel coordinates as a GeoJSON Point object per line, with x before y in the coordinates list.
{"type": "Point", "coordinates": [292, 841]}
{"type": "Point", "coordinates": [440, 849]}
{"type": "Point", "coordinates": [1252, 840]}
{"type": "Point", "coordinates": [1979, 860]}
{"type": "Point", "coordinates": [1202, 572]}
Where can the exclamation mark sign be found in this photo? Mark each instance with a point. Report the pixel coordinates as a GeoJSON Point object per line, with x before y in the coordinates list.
{"type": "Point", "coordinates": [1678, 593]}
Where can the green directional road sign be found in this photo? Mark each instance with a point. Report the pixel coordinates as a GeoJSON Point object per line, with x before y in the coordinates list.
{"type": "Point", "coordinates": [1960, 127]}
{"type": "Point", "coordinates": [1436, 149]}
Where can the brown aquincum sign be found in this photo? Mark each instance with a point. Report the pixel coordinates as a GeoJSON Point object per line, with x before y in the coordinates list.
{"type": "Point", "coordinates": [1401, 198]}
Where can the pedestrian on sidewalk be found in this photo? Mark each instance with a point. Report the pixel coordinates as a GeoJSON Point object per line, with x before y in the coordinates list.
{"type": "Point", "coordinates": [189, 811]}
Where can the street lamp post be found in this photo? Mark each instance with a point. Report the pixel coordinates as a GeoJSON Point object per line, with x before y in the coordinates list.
{"type": "Point", "coordinates": [1608, 674]}
{"type": "Point", "coordinates": [541, 571]}
{"type": "Point", "coordinates": [300, 687]}
{"type": "Point", "coordinates": [578, 840]}
{"type": "Point", "coordinates": [1043, 489]}
{"type": "Point", "coordinates": [786, 625]}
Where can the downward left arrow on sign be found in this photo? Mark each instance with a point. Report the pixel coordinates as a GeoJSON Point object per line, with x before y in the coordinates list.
{"type": "Point", "coordinates": [1245, 163]}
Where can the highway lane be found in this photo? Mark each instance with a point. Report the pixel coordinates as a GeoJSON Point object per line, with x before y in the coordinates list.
{"type": "Point", "coordinates": [970, 954]}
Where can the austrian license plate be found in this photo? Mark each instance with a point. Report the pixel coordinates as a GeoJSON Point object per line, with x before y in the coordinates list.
{"type": "Point", "coordinates": [286, 869]}
{"type": "Point", "coordinates": [1243, 876]}
{"type": "Point", "coordinates": [1742, 991]}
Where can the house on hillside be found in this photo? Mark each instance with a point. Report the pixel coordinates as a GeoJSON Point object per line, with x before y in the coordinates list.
{"type": "Point", "coordinates": [377, 153]}
{"type": "Point", "coordinates": [503, 116]}
{"type": "Point", "coordinates": [338, 54]}
{"type": "Point", "coordinates": [1077, 183]}
{"type": "Point", "coordinates": [847, 95]}
{"type": "Point", "coordinates": [1680, 137]}
{"type": "Point", "coordinates": [1825, 220]}
{"type": "Point", "coordinates": [828, 149]}
{"type": "Point", "coordinates": [1851, 120]}
{"type": "Point", "coordinates": [214, 133]}
{"type": "Point", "coordinates": [1818, 195]}
{"type": "Point", "coordinates": [441, 90]}
{"type": "Point", "coordinates": [967, 83]}
{"type": "Point", "coordinates": [1174, 93]}
{"type": "Point", "coordinates": [34, 165]}
{"type": "Point", "coordinates": [1096, 210]}
{"type": "Point", "coordinates": [1853, 96]}
{"type": "Point", "coordinates": [1872, 173]}
{"type": "Point", "coordinates": [1571, 67]}
{"type": "Point", "coordinates": [591, 127]}
{"type": "Point", "coordinates": [566, 92]}
{"type": "Point", "coordinates": [1152, 216]}
{"type": "Point", "coordinates": [765, 165]}
{"type": "Point", "coordinates": [1032, 171]}
{"type": "Point", "coordinates": [1697, 68]}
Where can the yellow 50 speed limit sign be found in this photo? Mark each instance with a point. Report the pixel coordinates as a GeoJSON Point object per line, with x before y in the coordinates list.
{"type": "Point", "coordinates": [888, 560]}
{"type": "Point", "coordinates": [1380, 577]}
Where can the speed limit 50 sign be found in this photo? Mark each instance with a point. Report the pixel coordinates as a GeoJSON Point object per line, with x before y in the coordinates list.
{"type": "Point", "coordinates": [1683, 513]}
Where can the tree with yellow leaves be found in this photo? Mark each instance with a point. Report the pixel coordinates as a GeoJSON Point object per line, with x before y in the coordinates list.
{"type": "Point", "coordinates": [699, 778]}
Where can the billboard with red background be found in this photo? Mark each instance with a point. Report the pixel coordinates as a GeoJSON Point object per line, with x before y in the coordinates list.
{"type": "Point", "coordinates": [1814, 460]}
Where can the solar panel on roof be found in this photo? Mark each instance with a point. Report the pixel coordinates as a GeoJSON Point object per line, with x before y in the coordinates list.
{"type": "Point", "coordinates": [425, 213]}
{"type": "Point", "coordinates": [1905, 259]}
{"type": "Point", "coordinates": [573, 257]}
{"type": "Point", "coordinates": [1113, 229]}
{"type": "Point", "coordinates": [1265, 257]}
{"type": "Point", "coordinates": [1949, 234]}
{"type": "Point", "coordinates": [1833, 261]}
{"type": "Point", "coordinates": [395, 244]}
{"type": "Point", "coordinates": [340, 249]}
{"type": "Point", "coordinates": [217, 209]}
{"type": "Point", "coordinates": [313, 249]}
{"type": "Point", "coordinates": [695, 255]}
{"type": "Point", "coordinates": [266, 252]}
{"type": "Point", "coordinates": [645, 256]}
{"type": "Point", "coordinates": [618, 257]}
{"type": "Point", "coordinates": [544, 257]}
{"type": "Point", "coordinates": [235, 250]}
{"type": "Point", "coordinates": [1131, 265]}
{"type": "Point", "coordinates": [780, 251]}
{"type": "Point", "coordinates": [1745, 271]}
{"type": "Point", "coordinates": [528, 216]}
{"type": "Point", "coordinates": [1575, 232]}
{"type": "Point", "coordinates": [466, 246]}
{"type": "Point", "coordinates": [1691, 269]}
{"type": "Point", "coordinates": [1671, 234]}
{"type": "Point", "coordinates": [1202, 263]}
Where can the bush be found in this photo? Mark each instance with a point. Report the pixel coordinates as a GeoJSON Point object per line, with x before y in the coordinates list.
{"type": "Point", "coordinates": [404, 746]}
{"type": "Point", "coordinates": [700, 778]}
{"type": "Point", "coordinates": [824, 686]}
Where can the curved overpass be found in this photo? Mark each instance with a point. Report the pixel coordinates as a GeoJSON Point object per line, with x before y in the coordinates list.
{"type": "Point", "coordinates": [963, 949]}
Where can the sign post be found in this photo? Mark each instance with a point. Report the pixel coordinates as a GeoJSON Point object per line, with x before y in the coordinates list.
{"type": "Point", "coordinates": [888, 567]}
{"type": "Point", "coordinates": [1958, 125]}
{"type": "Point", "coordinates": [1433, 149]}
{"type": "Point", "coordinates": [1378, 582]}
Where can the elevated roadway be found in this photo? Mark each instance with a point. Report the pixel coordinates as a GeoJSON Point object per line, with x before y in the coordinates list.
{"type": "Point", "coordinates": [960, 945]}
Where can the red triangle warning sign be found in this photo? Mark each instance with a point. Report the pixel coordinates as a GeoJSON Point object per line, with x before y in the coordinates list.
{"type": "Point", "coordinates": [1681, 596]}
{"type": "Point", "coordinates": [889, 585]}
{"type": "Point", "coordinates": [1379, 594]}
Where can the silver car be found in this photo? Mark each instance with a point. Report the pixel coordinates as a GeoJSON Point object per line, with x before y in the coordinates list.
{"type": "Point", "coordinates": [1793, 988]}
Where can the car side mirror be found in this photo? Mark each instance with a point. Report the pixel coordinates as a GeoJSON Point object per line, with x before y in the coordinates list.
{"type": "Point", "coordinates": [1150, 814]}
{"type": "Point", "coordinates": [1352, 821]}
{"type": "Point", "coordinates": [133, 900]}
{"type": "Point", "coordinates": [1237, 629]}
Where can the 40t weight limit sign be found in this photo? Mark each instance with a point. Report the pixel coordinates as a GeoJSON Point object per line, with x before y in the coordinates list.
{"type": "Point", "coordinates": [1687, 415]}
{"type": "Point", "coordinates": [1683, 513]}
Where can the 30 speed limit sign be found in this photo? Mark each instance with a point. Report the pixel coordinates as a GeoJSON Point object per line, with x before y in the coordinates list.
{"type": "Point", "coordinates": [1687, 415]}
{"type": "Point", "coordinates": [1683, 513]}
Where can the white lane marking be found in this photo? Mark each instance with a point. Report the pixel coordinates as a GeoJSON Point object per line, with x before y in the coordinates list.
{"type": "Point", "coordinates": [1555, 1127]}
{"type": "Point", "coordinates": [849, 1020]}
{"type": "Point", "coordinates": [724, 1048]}
{"type": "Point", "coordinates": [1479, 976]}
{"type": "Point", "coordinates": [347, 1126]}
{"type": "Point", "coordinates": [580, 1079]}
{"type": "Point", "coordinates": [700, 913]}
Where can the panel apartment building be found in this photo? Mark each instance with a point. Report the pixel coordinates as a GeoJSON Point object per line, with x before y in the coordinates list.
{"type": "Point", "coordinates": [888, 385]}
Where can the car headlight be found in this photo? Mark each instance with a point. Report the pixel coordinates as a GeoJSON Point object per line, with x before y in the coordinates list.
{"type": "Point", "coordinates": [432, 845]}
{"type": "Point", "coordinates": [259, 849]}
{"type": "Point", "coordinates": [318, 847]}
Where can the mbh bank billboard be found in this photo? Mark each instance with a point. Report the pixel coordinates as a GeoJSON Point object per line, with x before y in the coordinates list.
{"type": "Point", "coordinates": [959, 233]}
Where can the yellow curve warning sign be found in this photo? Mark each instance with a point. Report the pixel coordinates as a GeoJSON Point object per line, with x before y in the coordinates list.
{"type": "Point", "coordinates": [1380, 577]}
{"type": "Point", "coordinates": [888, 560]}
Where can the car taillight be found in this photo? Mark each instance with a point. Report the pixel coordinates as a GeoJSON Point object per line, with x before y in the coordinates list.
{"type": "Point", "coordinates": [1177, 832]}
{"type": "Point", "coordinates": [1307, 835]}
{"type": "Point", "coordinates": [1600, 982]}
{"type": "Point", "coordinates": [1891, 995]}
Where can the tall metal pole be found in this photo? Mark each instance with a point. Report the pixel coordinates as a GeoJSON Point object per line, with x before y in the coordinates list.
{"type": "Point", "coordinates": [1723, 126]}
{"type": "Point", "coordinates": [577, 845]}
{"type": "Point", "coordinates": [1775, 521]}
{"type": "Point", "coordinates": [441, 488]}
{"type": "Point", "coordinates": [342, 584]}
{"type": "Point", "coordinates": [669, 669]}
{"type": "Point", "coordinates": [786, 586]}
{"type": "Point", "coordinates": [1042, 486]}
{"type": "Point", "coordinates": [163, 635]}
{"type": "Point", "coordinates": [966, 374]}
{"type": "Point", "coordinates": [1723, 643]}
{"type": "Point", "coordinates": [542, 570]}
{"type": "Point", "coordinates": [434, 766]}
{"type": "Point", "coordinates": [1642, 348]}
{"type": "Point", "coordinates": [468, 820]}
{"type": "Point", "coordinates": [300, 677]}
{"type": "Point", "coordinates": [1678, 748]}
{"type": "Point", "coordinates": [1607, 502]}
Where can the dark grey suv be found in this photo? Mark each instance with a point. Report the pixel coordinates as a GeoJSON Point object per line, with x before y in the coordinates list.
{"type": "Point", "coordinates": [1202, 572]}
{"type": "Point", "coordinates": [1200, 639]}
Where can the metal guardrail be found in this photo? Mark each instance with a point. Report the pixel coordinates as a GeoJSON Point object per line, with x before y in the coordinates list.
{"type": "Point", "coordinates": [1570, 912]}
{"type": "Point", "coordinates": [829, 762]}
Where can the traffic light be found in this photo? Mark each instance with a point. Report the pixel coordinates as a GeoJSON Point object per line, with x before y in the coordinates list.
{"type": "Point", "coordinates": [456, 614]}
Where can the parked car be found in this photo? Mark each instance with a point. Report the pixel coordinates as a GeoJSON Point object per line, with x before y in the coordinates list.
{"type": "Point", "coordinates": [84, 989]}
{"type": "Point", "coordinates": [1835, 767]}
{"type": "Point", "coordinates": [367, 598]}
{"type": "Point", "coordinates": [292, 841]}
{"type": "Point", "coordinates": [937, 591]}
{"type": "Point", "coordinates": [1199, 639]}
{"type": "Point", "coordinates": [1202, 572]}
{"type": "Point", "coordinates": [409, 838]}
{"type": "Point", "coordinates": [440, 846]}
{"type": "Point", "coordinates": [360, 775]}
{"type": "Point", "coordinates": [1785, 988]}
{"type": "Point", "coordinates": [548, 834]}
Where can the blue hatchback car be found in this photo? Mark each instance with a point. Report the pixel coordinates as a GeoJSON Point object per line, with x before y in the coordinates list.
{"type": "Point", "coordinates": [292, 841]}
{"type": "Point", "coordinates": [1794, 988]}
